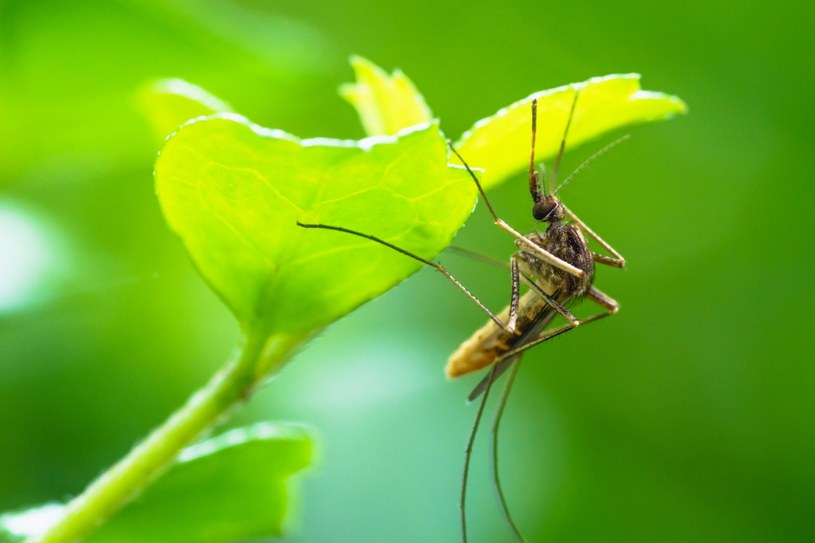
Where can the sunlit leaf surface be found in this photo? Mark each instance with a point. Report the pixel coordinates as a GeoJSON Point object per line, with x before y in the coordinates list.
{"type": "Point", "coordinates": [232, 487]}
{"type": "Point", "coordinates": [169, 103]}
{"type": "Point", "coordinates": [385, 103]}
{"type": "Point", "coordinates": [233, 192]}
{"type": "Point", "coordinates": [500, 143]}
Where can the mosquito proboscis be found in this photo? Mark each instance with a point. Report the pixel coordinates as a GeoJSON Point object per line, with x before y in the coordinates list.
{"type": "Point", "coordinates": [556, 265]}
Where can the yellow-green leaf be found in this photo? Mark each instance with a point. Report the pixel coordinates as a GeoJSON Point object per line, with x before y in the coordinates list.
{"type": "Point", "coordinates": [234, 191]}
{"type": "Point", "coordinates": [385, 103]}
{"type": "Point", "coordinates": [168, 103]}
{"type": "Point", "coordinates": [500, 143]}
{"type": "Point", "coordinates": [232, 487]}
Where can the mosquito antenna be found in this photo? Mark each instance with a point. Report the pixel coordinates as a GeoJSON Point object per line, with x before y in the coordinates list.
{"type": "Point", "coordinates": [534, 182]}
{"type": "Point", "coordinates": [563, 141]}
{"type": "Point", "coordinates": [468, 454]}
{"type": "Point", "coordinates": [496, 480]}
{"type": "Point", "coordinates": [475, 178]}
{"type": "Point", "coordinates": [591, 159]}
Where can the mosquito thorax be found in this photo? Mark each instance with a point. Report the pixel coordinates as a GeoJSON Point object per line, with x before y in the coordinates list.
{"type": "Point", "coordinates": [548, 209]}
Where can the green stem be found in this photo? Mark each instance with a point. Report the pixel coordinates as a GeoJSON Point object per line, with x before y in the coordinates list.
{"type": "Point", "coordinates": [133, 473]}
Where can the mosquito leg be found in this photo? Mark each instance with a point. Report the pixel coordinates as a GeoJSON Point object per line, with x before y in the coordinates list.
{"type": "Point", "coordinates": [601, 298]}
{"type": "Point", "coordinates": [506, 360]}
{"type": "Point", "coordinates": [414, 256]}
{"type": "Point", "coordinates": [607, 260]}
{"type": "Point", "coordinates": [551, 334]}
{"type": "Point", "coordinates": [617, 260]}
{"type": "Point", "coordinates": [557, 306]}
{"type": "Point", "coordinates": [515, 296]}
{"type": "Point", "coordinates": [468, 451]}
{"type": "Point", "coordinates": [510, 360]}
{"type": "Point", "coordinates": [496, 480]}
{"type": "Point", "coordinates": [540, 252]}
{"type": "Point", "coordinates": [505, 363]}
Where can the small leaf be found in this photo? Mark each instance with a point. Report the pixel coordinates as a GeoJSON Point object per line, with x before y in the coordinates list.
{"type": "Point", "coordinates": [233, 192]}
{"type": "Point", "coordinates": [169, 103]}
{"type": "Point", "coordinates": [385, 103]}
{"type": "Point", "coordinates": [500, 143]}
{"type": "Point", "coordinates": [229, 488]}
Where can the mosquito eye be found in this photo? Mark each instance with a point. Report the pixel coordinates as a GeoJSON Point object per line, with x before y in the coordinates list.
{"type": "Point", "coordinates": [542, 209]}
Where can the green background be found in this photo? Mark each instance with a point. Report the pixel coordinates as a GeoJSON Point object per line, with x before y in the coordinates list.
{"type": "Point", "coordinates": [686, 417]}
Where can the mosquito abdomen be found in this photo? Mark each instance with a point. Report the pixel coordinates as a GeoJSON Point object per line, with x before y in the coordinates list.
{"type": "Point", "coordinates": [491, 341]}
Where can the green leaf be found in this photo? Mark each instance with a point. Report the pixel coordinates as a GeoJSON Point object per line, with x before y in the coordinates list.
{"type": "Point", "coordinates": [168, 103]}
{"type": "Point", "coordinates": [229, 488]}
{"type": "Point", "coordinates": [385, 103]}
{"type": "Point", "coordinates": [500, 143]}
{"type": "Point", "coordinates": [233, 192]}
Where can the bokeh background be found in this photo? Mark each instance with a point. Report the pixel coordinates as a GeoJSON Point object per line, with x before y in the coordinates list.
{"type": "Point", "coordinates": [686, 417]}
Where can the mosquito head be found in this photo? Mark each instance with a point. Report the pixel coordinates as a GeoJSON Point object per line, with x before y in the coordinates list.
{"type": "Point", "coordinates": [548, 209]}
{"type": "Point", "coordinates": [547, 206]}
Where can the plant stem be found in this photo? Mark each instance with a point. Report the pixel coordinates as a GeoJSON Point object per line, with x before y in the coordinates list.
{"type": "Point", "coordinates": [150, 458]}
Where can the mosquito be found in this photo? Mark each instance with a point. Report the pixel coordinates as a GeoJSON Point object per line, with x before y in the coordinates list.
{"type": "Point", "coordinates": [556, 265]}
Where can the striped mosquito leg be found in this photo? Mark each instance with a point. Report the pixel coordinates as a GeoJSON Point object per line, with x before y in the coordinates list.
{"type": "Point", "coordinates": [594, 295]}
{"type": "Point", "coordinates": [616, 260]}
{"type": "Point", "coordinates": [468, 452]}
{"type": "Point", "coordinates": [515, 296]}
{"type": "Point", "coordinates": [505, 361]}
{"type": "Point", "coordinates": [496, 478]}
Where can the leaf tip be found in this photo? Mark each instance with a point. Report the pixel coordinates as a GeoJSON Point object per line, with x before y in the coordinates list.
{"type": "Point", "coordinates": [385, 102]}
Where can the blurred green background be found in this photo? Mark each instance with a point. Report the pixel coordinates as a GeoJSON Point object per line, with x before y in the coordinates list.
{"type": "Point", "coordinates": [687, 417]}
